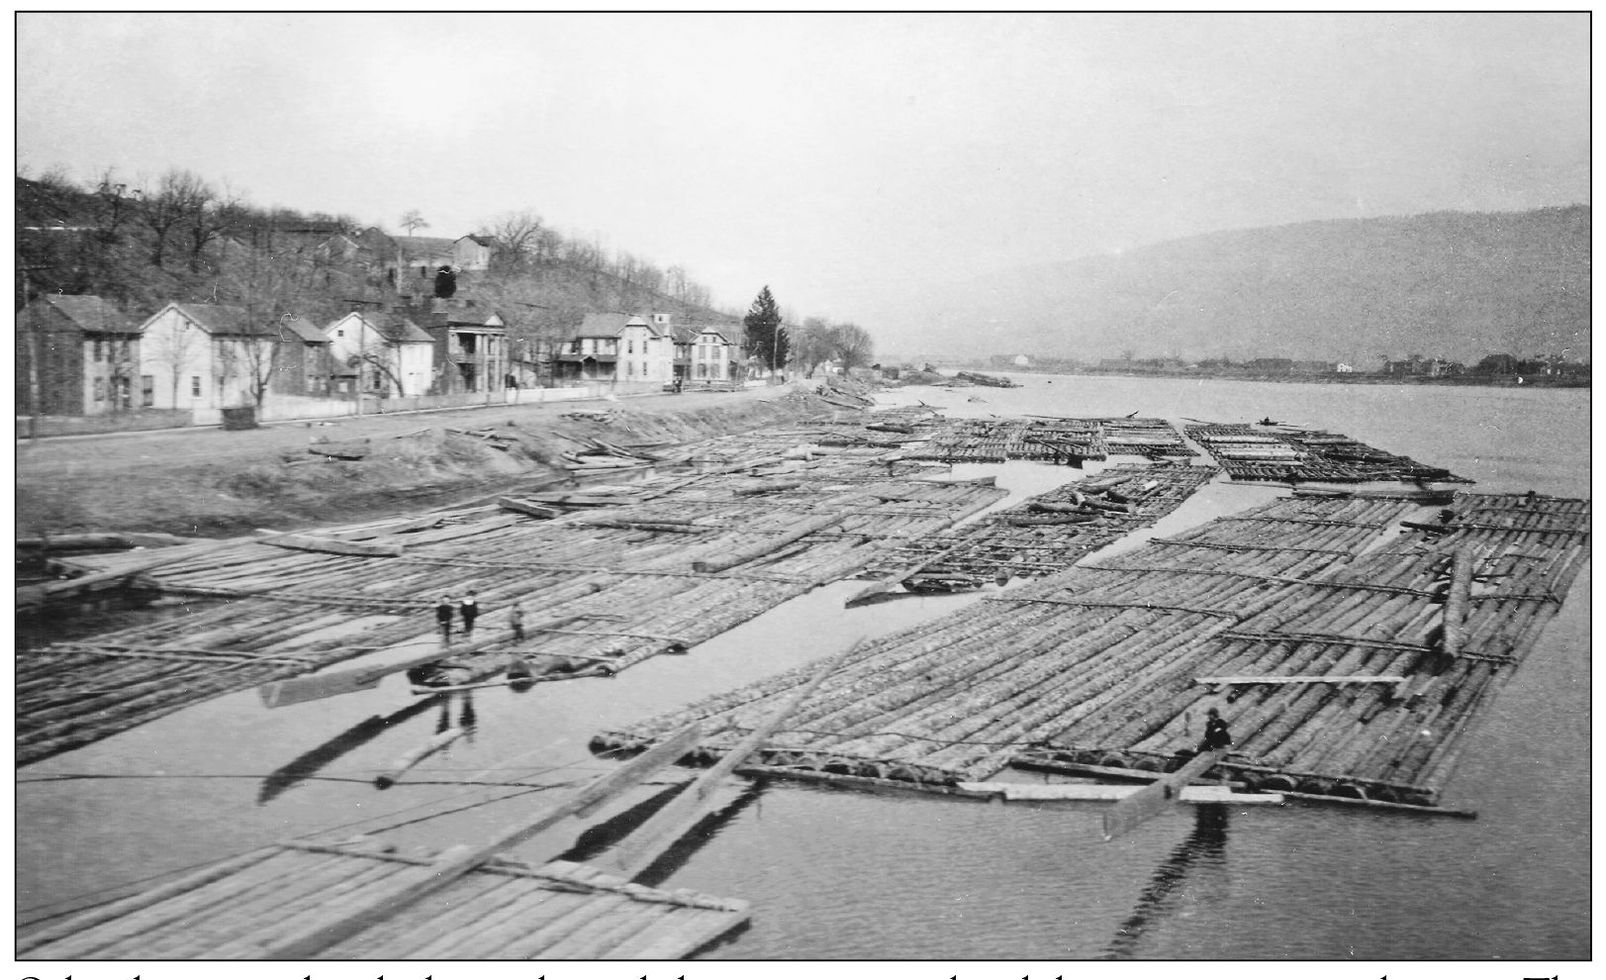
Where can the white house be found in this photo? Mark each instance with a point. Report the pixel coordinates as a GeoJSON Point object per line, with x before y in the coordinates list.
{"type": "Point", "coordinates": [472, 253]}
{"type": "Point", "coordinates": [381, 352]}
{"type": "Point", "coordinates": [713, 355]}
{"type": "Point", "coordinates": [200, 356]}
{"type": "Point", "coordinates": [646, 349]}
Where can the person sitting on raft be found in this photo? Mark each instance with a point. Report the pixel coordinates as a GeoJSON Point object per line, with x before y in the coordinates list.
{"type": "Point", "coordinates": [435, 674]}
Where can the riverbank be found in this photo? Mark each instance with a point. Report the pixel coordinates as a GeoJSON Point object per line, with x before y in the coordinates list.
{"type": "Point", "coordinates": [213, 483]}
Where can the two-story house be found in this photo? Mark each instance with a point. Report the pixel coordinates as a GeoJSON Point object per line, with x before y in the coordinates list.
{"type": "Point", "coordinates": [384, 353]}
{"type": "Point", "coordinates": [470, 347]}
{"type": "Point", "coordinates": [201, 356]}
{"type": "Point", "coordinates": [589, 351]}
{"type": "Point", "coordinates": [81, 352]}
{"type": "Point", "coordinates": [713, 355]}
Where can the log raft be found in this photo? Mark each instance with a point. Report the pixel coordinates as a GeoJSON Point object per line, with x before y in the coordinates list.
{"type": "Point", "coordinates": [366, 900]}
{"type": "Point", "coordinates": [1313, 622]}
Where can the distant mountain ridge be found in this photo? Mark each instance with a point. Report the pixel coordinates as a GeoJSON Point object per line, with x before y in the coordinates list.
{"type": "Point", "coordinates": [1458, 285]}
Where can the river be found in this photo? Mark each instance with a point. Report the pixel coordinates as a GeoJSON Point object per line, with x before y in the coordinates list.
{"type": "Point", "coordinates": [836, 874]}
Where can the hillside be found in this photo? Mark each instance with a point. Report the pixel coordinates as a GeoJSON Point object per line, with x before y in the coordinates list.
{"type": "Point", "coordinates": [187, 244]}
{"type": "Point", "coordinates": [1449, 284]}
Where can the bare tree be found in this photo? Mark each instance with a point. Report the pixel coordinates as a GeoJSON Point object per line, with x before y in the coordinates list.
{"type": "Point", "coordinates": [207, 218]}
{"type": "Point", "coordinates": [812, 345]}
{"type": "Point", "coordinates": [412, 221]}
{"type": "Point", "coordinates": [113, 204]}
{"type": "Point", "coordinates": [852, 345]}
{"type": "Point", "coordinates": [252, 358]}
{"type": "Point", "coordinates": [517, 234]}
{"type": "Point", "coordinates": [168, 205]}
{"type": "Point", "coordinates": [174, 350]}
{"type": "Point", "coordinates": [384, 356]}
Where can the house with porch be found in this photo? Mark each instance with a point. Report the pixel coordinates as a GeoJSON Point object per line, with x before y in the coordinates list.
{"type": "Point", "coordinates": [644, 348]}
{"type": "Point", "coordinates": [85, 350]}
{"type": "Point", "coordinates": [470, 345]}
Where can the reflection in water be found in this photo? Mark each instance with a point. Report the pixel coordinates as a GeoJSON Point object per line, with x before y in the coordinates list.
{"type": "Point", "coordinates": [309, 763]}
{"type": "Point", "coordinates": [1208, 841]}
{"type": "Point", "coordinates": [598, 839]}
{"type": "Point", "coordinates": [677, 854]}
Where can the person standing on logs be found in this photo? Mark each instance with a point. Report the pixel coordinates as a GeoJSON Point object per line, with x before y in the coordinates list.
{"type": "Point", "coordinates": [1216, 735]}
{"type": "Point", "coordinates": [515, 619]}
{"type": "Point", "coordinates": [443, 619]}
{"type": "Point", "coordinates": [468, 609]}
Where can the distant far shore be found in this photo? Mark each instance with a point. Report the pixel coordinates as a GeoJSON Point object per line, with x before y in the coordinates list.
{"type": "Point", "coordinates": [1357, 378]}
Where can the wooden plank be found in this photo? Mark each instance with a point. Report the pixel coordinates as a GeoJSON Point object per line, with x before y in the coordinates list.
{"type": "Point", "coordinates": [398, 769]}
{"type": "Point", "coordinates": [1316, 679]}
{"type": "Point", "coordinates": [458, 861]}
{"type": "Point", "coordinates": [1154, 799]}
{"type": "Point", "coordinates": [742, 555]}
{"type": "Point", "coordinates": [1113, 791]}
{"type": "Point", "coordinates": [1453, 632]}
{"type": "Point", "coordinates": [529, 507]}
{"type": "Point", "coordinates": [332, 546]}
{"type": "Point", "coordinates": [636, 852]}
{"type": "Point", "coordinates": [80, 923]}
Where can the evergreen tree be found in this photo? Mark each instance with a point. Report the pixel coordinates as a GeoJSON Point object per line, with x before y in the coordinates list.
{"type": "Point", "coordinates": [765, 339]}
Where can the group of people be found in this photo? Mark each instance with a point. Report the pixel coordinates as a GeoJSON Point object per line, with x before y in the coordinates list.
{"type": "Point", "coordinates": [467, 609]}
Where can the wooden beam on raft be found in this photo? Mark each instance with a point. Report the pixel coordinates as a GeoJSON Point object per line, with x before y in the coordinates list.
{"type": "Point", "coordinates": [743, 555]}
{"type": "Point", "coordinates": [888, 583]}
{"type": "Point", "coordinates": [1322, 679]}
{"type": "Point", "coordinates": [1453, 631]}
{"type": "Point", "coordinates": [646, 843]}
{"type": "Point", "coordinates": [1155, 798]}
{"type": "Point", "coordinates": [418, 883]}
{"type": "Point", "coordinates": [332, 546]}
{"type": "Point", "coordinates": [398, 769]}
{"type": "Point", "coordinates": [529, 507]}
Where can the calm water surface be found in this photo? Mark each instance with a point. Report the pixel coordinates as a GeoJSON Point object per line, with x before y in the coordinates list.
{"type": "Point", "coordinates": [839, 874]}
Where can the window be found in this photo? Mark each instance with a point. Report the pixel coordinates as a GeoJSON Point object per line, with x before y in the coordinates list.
{"type": "Point", "coordinates": [100, 386]}
{"type": "Point", "coordinates": [341, 332]}
{"type": "Point", "coordinates": [630, 347]}
{"type": "Point", "coordinates": [147, 390]}
{"type": "Point", "coordinates": [99, 356]}
{"type": "Point", "coordinates": [195, 386]}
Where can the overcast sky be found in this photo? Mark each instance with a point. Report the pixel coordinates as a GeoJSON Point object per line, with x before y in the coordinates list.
{"type": "Point", "coordinates": [841, 159]}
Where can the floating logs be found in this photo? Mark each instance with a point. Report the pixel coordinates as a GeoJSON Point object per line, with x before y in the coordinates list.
{"type": "Point", "coordinates": [1306, 614]}
{"type": "Point", "coordinates": [1251, 453]}
{"type": "Point", "coordinates": [638, 571]}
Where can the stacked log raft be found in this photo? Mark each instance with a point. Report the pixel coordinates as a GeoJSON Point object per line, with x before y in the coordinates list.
{"type": "Point", "coordinates": [1277, 617]}
{"type": "Point", "coordinates": [987, 380]}
{"type": "Point", "coordinates": [1051, 439]}
{"type": "Point", "coordinates": [1291, 455]}
{"type": "Point", "coordinates": [242, 907]}
{"type": "Point", "coordinates": [1048, 533]}
{"type": "Point", "coordinates": [1152, 438]}
{"type": "Point", "coordinates": [633, 572]}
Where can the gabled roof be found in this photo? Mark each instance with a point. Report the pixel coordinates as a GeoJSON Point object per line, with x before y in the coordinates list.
{"type": "Point", "coordinates": [303, 328]}
{"type": "Point", "coordinates": [602, 325]}
{"type": "Point", "coordinates": [417, 249]}
{"type": "Point", "coordinates": [91, 313]}
{"type": "Point", "coordinates": [393, 327]}
{"type": "Point", "coordinates": [400, 330]}
{"type": "Point", "coordinates": [223, 320]}
{"type": "Point", "coordinates": [486, 240]}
